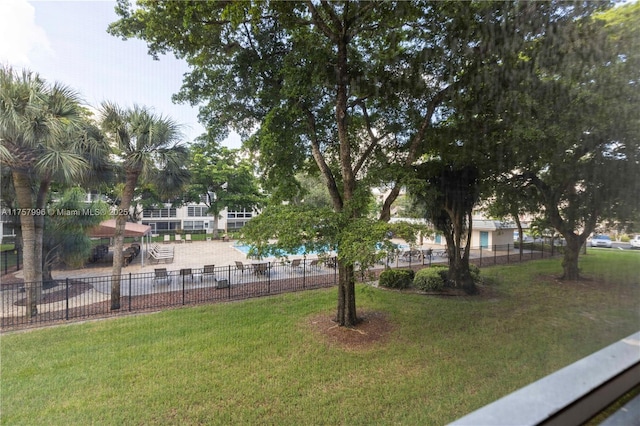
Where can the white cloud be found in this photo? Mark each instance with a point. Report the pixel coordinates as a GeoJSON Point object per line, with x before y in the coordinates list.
{"type": "Point", "coordinates": [20, 37]}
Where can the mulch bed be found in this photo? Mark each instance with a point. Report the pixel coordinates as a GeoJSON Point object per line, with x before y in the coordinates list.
{"type": "Point", "coordinates": [373, 329]}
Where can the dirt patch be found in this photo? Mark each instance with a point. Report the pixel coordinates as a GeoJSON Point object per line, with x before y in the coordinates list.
{"type": "Point", "coordinates": [374, 328]}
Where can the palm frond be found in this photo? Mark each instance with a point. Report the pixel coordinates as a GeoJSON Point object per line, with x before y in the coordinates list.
{"type": "Point", "coordinates": [66, 166]}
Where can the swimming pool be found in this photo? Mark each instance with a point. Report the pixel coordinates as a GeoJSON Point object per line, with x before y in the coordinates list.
{"type": "Point", "coordinates": [244, 248]}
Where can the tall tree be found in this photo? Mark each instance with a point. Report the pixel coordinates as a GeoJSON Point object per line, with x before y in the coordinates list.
{"type": "Point", "coordinates": [351, 88]}
{"type": "Point", "coordinates": [449, 192]}
{"type": "Point", "coordinates": [149, 148]}
{"type": "Point", "coordinates": [293, 69]}
{"type": "Point", "coordinates": [582, 124]}
{"type": "Point", "coordinates": [39, 124]}
{"type": "Point", "coordinates": [222, 178]}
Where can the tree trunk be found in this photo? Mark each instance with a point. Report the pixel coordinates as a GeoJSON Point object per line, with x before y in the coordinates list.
{"type": "Point", "coordinates": [38, 220]}
{"type": "Point", "coordinates": [459, 274]}
{"type": "Point", "coordinates": [32, 282]}
{"type": "Point", "coordinates": [215, 225]}
{"type": "Point", "coordinates": [520, 235]}
{"type": "Point", "coordinates": [118, 244]}
{"type": "Point", "coordinates": [346, 314]}
{"type": "Point", "coordinates": [570, 268]}
{"type": "Point", "coordinates": [571, 271]}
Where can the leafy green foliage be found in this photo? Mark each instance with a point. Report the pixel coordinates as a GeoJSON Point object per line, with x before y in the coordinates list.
{"type": "Point", "coordinates": [45, 139]}
{"type": "Point", "coordinates": [221, 178]}
{"type": "Point", "coordinates": [396, 278]}
{"type": "Point", "coordinates": [66, 236]}
{"type": "Point", "coordinates": [431, 279]}
{"type": "Point", "coordinates": [150, 149]}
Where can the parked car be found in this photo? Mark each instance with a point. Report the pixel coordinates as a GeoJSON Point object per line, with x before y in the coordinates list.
{"type": "Point", "coordinates": [635, 242]}
{"type": "Point", "coordinates": [601, 241]}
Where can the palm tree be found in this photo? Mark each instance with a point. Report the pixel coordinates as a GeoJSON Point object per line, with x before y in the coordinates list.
{"type": "Point", "coordinates": [38, 124]}
{"type": "Point", "coordinates": [149, 149]}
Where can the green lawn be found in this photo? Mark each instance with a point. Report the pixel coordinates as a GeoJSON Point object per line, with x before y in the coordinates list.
{"type": "Point", "coordinates": [260, 362]}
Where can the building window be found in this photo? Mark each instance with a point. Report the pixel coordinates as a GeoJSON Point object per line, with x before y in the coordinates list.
{"type": "Point", "coordinates": [163, 226]}
{"type": "Point", "coordinates": [168, 212]}
{"type": "Point", "coordinates": [197, 211]}
{"type": "Point", "coordinates": [232, 214]}
{"type": "Point", "coordinates": [192, 225]}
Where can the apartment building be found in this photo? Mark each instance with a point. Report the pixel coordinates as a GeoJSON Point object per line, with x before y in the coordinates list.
{"type": "Point", "coordinates": [193, 217]}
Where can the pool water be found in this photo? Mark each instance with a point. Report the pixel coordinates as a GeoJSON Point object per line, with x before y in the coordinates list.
{"type": "Point", "coordinates": [244, 248]}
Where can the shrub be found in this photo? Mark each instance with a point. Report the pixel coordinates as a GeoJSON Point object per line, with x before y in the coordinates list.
{"type": "Point", "coordinates": [396, 278]}
{"type": "Point", "coordinates": [475, 273]}
{"type": "Point", "coordinates": [431, 279]}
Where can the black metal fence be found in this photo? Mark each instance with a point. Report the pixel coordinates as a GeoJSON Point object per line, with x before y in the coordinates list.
{"type": "Point", "coordinates": [83, 297]}
{"type": "Point", "coordinates": [91, 296]}
{"type": "Point", "coordinates": [481, 255]}
{"type": "Point", "coordinates": [10, 260]}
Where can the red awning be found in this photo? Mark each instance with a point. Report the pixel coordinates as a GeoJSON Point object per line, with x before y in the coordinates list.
{"type": "Point", "coordinates": [107, 229]}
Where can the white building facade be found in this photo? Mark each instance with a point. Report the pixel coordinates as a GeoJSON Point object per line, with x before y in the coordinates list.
{"type": "Point", "coordinates": [193, 218]}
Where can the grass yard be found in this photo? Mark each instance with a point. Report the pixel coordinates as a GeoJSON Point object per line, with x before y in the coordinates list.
{"type": "Point", "coordinates": [262, 361]}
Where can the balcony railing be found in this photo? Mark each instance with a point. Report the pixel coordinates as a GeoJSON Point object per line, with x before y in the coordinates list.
{"type": "Point", "coordinates": [572, 395]}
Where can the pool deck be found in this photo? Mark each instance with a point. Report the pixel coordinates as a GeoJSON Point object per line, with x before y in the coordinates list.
{"type": "Point", "coordinates": [195, 255]}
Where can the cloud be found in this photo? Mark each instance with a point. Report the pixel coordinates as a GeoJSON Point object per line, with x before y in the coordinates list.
{"type": "Point", "coordinates": [20, 37]}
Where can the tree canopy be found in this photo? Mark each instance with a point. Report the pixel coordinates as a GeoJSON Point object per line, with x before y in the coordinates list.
{"type": "Point", "coordinates": [358, 91]}
{"type": "Point", "coordinates": [221, 178]}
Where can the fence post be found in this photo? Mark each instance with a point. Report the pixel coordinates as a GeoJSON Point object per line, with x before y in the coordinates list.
{"type": "Point", "coordinates": [18, 259]}
{"type": "Point", "coordinates": [183, 287]}
{"type": "Point", "coordinates": [6, 258]}
{"type": "Point", "coordinates": [129, 291]}
{"type": "Point", "coordinates": [495, 254]}
{"type": "Point", "coordinates": [480, 254]}
{"type": "Point", "coordinates": [229, 286]}
{"type": "Point", "coordinates": [269, 277]}
{"type": "Point", "coordinates": [66, 315]}
{"type": "Point", "coordinates": [508, 254]}
{"type": "Point", "coordinates": [520, 250]}
{"type": "Point", "coordinates": [304, 272]}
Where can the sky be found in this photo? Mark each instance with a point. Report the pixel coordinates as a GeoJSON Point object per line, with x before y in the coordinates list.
{"type": "Point", "coordinates": [67, 42]}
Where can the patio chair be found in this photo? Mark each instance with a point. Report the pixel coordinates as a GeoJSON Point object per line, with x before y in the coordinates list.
{"type": "Point", "coordinates": [296, 264]}
{"type": "Point", "coordinates": [315, 263]}
{"type": "Point", "coordinates": [261, 269]}
{"type": "Point", "coordinates": [187, 238]}
{"type": "Point", "coordinates": [208, 271]}
{"type": "Point", "coordinates": [161, 274]}
{"type": "Point", "coordinates": [186, 272]}
{"type": "Point", "coordinates": [240, 267]}
{"type": "Point", "coordinates": [178, 238]}
{"type": "Point", "coordinates": [167, 238]}
{"type": "Point", "coordinates": [165, 256]}
{"type": "Point", "coordinates": [158, 249]}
